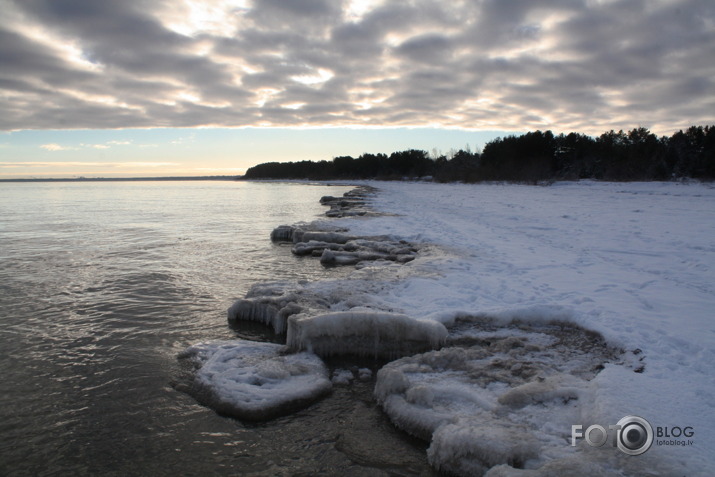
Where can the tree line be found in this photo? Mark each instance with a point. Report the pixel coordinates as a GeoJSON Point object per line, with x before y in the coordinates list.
{"type": "Point", "coordinates": [534, 157]}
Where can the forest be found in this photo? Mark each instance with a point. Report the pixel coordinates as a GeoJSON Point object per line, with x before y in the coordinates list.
{"type": "Point", "coordinates": [534, 157]}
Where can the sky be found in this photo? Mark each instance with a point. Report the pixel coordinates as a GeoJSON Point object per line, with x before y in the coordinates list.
{"type": "Point", "coordinates": [211, 87]}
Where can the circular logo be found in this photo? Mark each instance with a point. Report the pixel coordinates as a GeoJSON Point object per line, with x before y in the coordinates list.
{"type": "Point", "coordinates": [635, 436]}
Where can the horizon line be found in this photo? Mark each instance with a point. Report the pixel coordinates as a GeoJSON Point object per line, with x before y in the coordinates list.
{"type": "Point", "coordinates": [124, 179]}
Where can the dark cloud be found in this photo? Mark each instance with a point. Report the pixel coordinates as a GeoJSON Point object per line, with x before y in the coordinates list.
{"type": "Point", "coordinates": [509, 64]}
{"type": "Point", "coordinates": [29, 62]}
{"type": "Point", "coordinates": [430, 48]}
{"type": "Point", "coordinates": [286, 13]}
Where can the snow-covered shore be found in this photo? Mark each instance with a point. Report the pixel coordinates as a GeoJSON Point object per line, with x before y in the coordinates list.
{"type": "Point", "coordinates": [632, 261]}
{"type": "Point", "coordinates": [520, 276]}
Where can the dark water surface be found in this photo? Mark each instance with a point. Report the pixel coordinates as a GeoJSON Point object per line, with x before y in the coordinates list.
{"type": "Point", "coordinates": [102, 284]}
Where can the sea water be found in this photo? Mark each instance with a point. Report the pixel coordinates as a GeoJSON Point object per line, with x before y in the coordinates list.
{"type": "Point", "coordinates": [102, 284]}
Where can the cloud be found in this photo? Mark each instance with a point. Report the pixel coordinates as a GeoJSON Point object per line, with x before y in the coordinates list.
{"type": "Point", "coordinates": [477, 64]}
{"type": "Point", "coordinates": [74, 164]}
{"type": "Point", "coordinates": [56, 147]}
{"type": "Point", "coordinates": [431, 49]}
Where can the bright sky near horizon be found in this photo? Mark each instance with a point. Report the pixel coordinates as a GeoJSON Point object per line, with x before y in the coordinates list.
{"type": "Point", "coordinates": [188, 87]}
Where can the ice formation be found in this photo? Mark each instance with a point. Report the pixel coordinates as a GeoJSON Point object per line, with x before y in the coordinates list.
{"type": "Point", "coordinates": [255, 381]}
{"type": "Point", "coordinates": [497, 396]}
{"type": "Point", "coordinates": [363, 333]}
{"type": "Point", "coordinates": [342, 376]}
{"type": "Point", "coordinates": [334, 246]}
{"type": "Point", "coordinates": [271, 304]}
{"type": "Point", "coordinates": [353, 203]}
{"type": "Point", "coordinates": [347, 376]}
{"type": "Point", "coordinates": [471, 447]}
{"type": "Point", "coordinates": [338, 248]}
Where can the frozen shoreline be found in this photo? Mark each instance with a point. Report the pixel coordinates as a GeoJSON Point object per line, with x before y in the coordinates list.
{"type": "Point", "coordinates": [633, 262]}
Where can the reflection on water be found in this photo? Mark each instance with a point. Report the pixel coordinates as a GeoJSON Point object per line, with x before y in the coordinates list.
{"type": "Point", "coordinates": [102, 284]}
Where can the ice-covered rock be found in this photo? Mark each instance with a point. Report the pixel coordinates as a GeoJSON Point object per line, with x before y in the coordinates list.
{"type": "Point", "coordinates": [316, 248]}
{"type": "Point", "coordinates": [266, 311]}
{"type": "Point", "coordinates": [363, 333]}
{"type": "Point", "coordinates": [471, 447]}
{"type": "Point", "coordinates": [273, 303]}
{"type": "Point", "coordinates": [342, 212]}
{"type": "Point", "coordinates": [562, 387]}
{"type": "Point", "coordinates": [255, 381]}
{"type": "Point", "coordinates": [319, 236]}
{"type": "Point", "coordinates": [362, 250]}
{"type": "Point", "coordinates": [283, 233]}
{"type": "Point", "coordinates": [332, 257]}
{"type": "Point", "coordinates": [364, 374]}
{"type": "Point", "coordinates": [352, 203]}
{"type": "Point", "coordinates": [499, 396]}
{"type": "Point", "coordinates": [342, 376]}
{"type": "Point", "coordinates": [335, 246]}
{"type": "Point", "coordinates": [269, 310]}
{"type": "Point", "coordinates": [304, 232]}
{"type": "Point", "coordinates": [419, 398]}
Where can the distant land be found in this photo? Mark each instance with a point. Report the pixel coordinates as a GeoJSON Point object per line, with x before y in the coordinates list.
{"type": "Point", "coordinates": [534, 157]}
{"type": "Point", "coordinates": [125, 179]}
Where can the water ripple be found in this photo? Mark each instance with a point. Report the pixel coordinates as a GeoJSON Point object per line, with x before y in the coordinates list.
{"type": "Point", "coordinates": [101, 285]}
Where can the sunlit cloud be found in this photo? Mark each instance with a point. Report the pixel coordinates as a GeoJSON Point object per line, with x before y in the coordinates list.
{"type": "Point", "coordinates": [192, 18]}
{"type": "Point", "coordinates": [56, 147]}
{"type": "Point", "coordinates": [320, 76]}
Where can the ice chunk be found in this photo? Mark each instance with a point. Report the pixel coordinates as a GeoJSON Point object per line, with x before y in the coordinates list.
{"type": "Point", "coordinates": [267, 310]}
{"type": "Point", "coordinates": [503, 396]}
{"type": "Point", "coordinates": [364, 333]}
{"type": "Point", "coordinates": [352, 203]}
{"type": "Point", "coordinates": [357, 251]}
{"type": "Point", "coordinates": [329, 237]}
{"type": "Point", "coordinates": [342, 376]}
{"type": "Point", "coordinates": [420, 393]}
{"type": "Point", "coordinates": [273, 302]}
{"type": "Point", "coordinates": [347, 376]}
{"type": "Point", "coordinates": [331, 257]}
{"type": "Point", "coordinates": [255, 381]}
{"type": "Point", "coordinates": [283, 233]}
{"type": "Point", "coordinates": [535, 392]}
{"type": "Point", "coordinates": [364, 374]}
{"type": "Point", "coordinates": [314, 247]}
{"type": "Point", "coordinates": [471, 447]}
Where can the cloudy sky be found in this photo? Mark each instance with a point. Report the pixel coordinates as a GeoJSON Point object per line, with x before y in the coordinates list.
{"type": "Point", "coordinates": [149, 87]}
